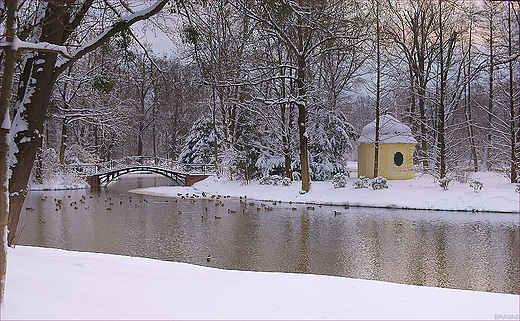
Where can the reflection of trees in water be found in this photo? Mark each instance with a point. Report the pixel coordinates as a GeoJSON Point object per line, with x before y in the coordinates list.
{"type": "Point", "coordinates": [303, 253]}
{"type": "Point", "coordinates": [512, 260]}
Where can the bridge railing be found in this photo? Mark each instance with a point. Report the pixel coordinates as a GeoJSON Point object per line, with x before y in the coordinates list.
{"type": "Point", "coordinates": [133, 161]}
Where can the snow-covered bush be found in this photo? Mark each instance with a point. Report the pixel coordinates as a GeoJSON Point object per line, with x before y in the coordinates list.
{"type": "Point", "coordinates": [47, 173]}
{"type": "Point", "coordinates": [275, 180]}
{"type": "Point", "coordinates": [286, 181]}
{"type": "Point", "coordinates": [75, 154]}
{"type": "Point", "coordinates": [361, 182]}
{"type": "Point", "coordinates": [296, 176]}
{"type": "Point", "coordinates": [445, 182]}
{"type": "Point", "coordinates": [477, 184]}
{"type": "Point", "coordinates": [339, 180]}
{"type": "Point", "coordinates": [517, 185]}
{"type": "Point", "coordinates": [379, 183]}
{"type": "Point", "coordinates": [269, 164]}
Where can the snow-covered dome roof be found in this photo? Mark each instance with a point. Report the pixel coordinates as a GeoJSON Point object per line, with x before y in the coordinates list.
{"type": "Point", "coordinates": [391, 131]}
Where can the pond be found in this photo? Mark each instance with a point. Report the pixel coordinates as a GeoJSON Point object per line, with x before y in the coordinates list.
{"type": "Point", "coordinates": [461, 250]}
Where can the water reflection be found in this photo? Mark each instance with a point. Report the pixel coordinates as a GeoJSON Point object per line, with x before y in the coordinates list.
{"type": "Point", "coordinates": [471, 251]}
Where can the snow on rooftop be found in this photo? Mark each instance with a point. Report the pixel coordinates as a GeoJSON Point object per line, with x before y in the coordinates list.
{"type": "Point", "coordinates": [391, 131]}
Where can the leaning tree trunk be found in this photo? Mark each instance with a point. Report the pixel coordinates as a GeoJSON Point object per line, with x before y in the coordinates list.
{"type": "Point", "coordinates": [35, 87]}
{"type": "Point", "coordinates": [36, 83]}
{"type": "Point", "coordinates": [7, 81]}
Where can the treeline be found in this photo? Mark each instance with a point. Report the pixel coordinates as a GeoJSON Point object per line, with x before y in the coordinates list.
{"type": "Point", "coordinates": [284, 87]}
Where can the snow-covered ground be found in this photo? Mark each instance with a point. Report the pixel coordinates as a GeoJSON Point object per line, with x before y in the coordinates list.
{"type": "Point", "coordinates": [497, 195]}
{"type": "Point", "coordinates": [57, 284]}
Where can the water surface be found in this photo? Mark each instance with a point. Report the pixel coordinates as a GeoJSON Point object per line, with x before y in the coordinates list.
{"type": "Point", "coordinates": [473, 251]}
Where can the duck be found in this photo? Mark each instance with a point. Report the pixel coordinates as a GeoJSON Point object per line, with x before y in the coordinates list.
{"type": "Point", "coordinates": [337, 213]}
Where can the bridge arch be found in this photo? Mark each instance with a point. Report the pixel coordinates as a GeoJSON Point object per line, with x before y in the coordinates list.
{"type": "Point", "coordinates": [103, 173]}
{"type": "Point", "coordinates": [107, 178]}
{"type": "Point", "coordinates": [182, 179]}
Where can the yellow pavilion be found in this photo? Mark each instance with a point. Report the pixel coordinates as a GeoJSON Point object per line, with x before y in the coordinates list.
{"type": "Point", "coordinates": [396, 148]}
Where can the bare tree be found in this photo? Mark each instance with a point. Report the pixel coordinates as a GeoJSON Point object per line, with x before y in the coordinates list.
{"type": "Point", "coordinates": [303, 27]}
{"type": "Point", "coordinates": [413, 25]}
{"type": "Point", "coordinates": [37, 80]}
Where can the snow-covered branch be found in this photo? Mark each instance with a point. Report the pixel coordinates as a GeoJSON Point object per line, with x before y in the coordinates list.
{"type": "Point", "coordinates": [18, 44]}
{"type": "Point", "coordinates": [120, 25]}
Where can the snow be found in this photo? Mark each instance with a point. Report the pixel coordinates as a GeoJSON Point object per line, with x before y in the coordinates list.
{"type": "Point", "coordinates": [391, 131]}
{"type": "Point", "coordinates": [57, 284]}
{"type": "Point", "coordinates": [18, 44]}
{"type": "Point", "coordinates": [422, 192]}
{"type": "Point", "coordinates": [6, 122]}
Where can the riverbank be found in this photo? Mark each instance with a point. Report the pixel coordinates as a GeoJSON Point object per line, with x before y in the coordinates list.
{"type": "Point", "coordinates": [422, 192]}
{"type": "Point", "coordinates": [56, 284]}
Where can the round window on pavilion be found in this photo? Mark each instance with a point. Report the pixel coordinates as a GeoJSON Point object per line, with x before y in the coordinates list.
{"type": "Point", "coordinates": [398, 159]}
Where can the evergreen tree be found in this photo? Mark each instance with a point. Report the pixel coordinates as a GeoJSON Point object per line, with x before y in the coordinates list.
{"type": "Point", "coordinates": [331, 136]}
{"type": "Point", "coordinates": [199, 145]}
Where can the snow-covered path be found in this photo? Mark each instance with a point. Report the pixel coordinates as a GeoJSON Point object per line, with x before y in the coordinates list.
{"type": "Point", "coordinates": [57, 284]}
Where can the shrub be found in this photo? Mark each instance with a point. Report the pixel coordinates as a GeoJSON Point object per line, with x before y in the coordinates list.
{"type": "Point", "coordinates": [339, 180]}
{"type": "Point", "coordinates": [445, 182]}
{"type": "Point", "coordinates": [275, 180]}
{"type": "Point", "coordinates": [477, 184]}
{"type": "Point", "coordinates": [361, 182]}
{"type": "Point", "coordinates": [379, 183]}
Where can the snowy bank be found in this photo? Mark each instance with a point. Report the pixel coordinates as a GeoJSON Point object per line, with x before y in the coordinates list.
{"type": "Point", "coordinates": [56, 284]}
{"type": "Point", "coordinates": [498, 195]}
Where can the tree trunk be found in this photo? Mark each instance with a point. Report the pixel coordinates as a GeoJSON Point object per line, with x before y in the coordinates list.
{"type": "Point", "coordinates": [441, 116]}
{"type": "Point", "coordinates": [36, 84]}
{"type": "Point", "coordinates": [487, 161]}
{"type": "Point", "coordinates": [378, 94]}
{"type": "Point", "coordinates": [513, 127]}
{"type": "Point", "coordinates": [285, 129]}
{"type": "Point", "coordinates": [63, 143]}
{"type": "Point", "coordinates": [467, 109]}
{"type": "Point", "coordinates": [302, 118]}
{"type": "Point", "coordinates": [5, 98]}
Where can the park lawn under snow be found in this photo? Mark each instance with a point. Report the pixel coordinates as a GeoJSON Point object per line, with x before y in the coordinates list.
{"type": "Point", "coordinates": [497, 195]}
{"type": "Point", "coordinates": [57, 284]}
